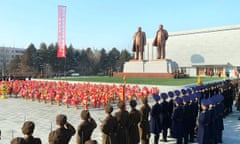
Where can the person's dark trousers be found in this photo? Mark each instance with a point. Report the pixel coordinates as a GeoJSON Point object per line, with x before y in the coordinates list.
{"type": "Point", "coordinates": [165, 135]}
{"type": "Point", "coordinates": [156, 138]}
{"type": "Point", "coordinates": [191, 136]}
{"type": "Point", "coordinates": [185, 139]}
{"type": "Point", "coordinates": [219, 137]}
{"type": "Point", "coordinates": [179, 140]}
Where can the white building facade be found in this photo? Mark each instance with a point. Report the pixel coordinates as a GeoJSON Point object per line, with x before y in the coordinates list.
{"type": "Point", "coordinates": [213, 51]}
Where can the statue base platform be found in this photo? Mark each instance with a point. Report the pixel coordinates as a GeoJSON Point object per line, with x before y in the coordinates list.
{"type": "Point", "coordinates": [159, 68]}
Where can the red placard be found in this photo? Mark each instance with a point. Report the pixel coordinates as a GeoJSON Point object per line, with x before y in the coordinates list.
{"type": "Point", "coordinates": [61, 52]}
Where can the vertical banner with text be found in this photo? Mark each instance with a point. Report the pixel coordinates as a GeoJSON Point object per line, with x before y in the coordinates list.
{"type": "Point", "coordinates": [61, 52]}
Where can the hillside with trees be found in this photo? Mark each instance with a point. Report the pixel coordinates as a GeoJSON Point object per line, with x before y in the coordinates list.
{"type": "Point", "coordinates": [43, 61]}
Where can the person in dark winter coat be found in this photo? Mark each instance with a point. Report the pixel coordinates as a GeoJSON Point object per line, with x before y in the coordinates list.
{"type": "Point", "coordinates": [194, 113]}
{"type": "Point", "coordinates": [122, 117]}
{"type": "Point", "coordinates": [109, 127]}
{"type": "Point", "coordinates": [203, 123]}
{"type": "Point", "coordinates": [177, 121]}
{"type": "Point", "coordinates": [164, 116]}
{"type": "Point", "coordinates": [134, 119]}
{"type": "Point", "coordinates": [144, 127]}
{"type": "Point", "coordinates": [170, 110]}
{"type": "Point", "coordinates": [85, 129]}
{"type": "Point", "coordinates": [155, 125]}
{"type": "Point", "coordinates": [27, 130]}
{"type": "Point", "coordinates": [213, 121]}
{"type": "Point", "coordinates": [63, 133]}
{"type": "Point", "coordinates": [220, 115]}
{"type": "Point", "coordinates": [187, 112]}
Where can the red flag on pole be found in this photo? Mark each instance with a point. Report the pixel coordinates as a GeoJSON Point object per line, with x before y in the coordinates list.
{"type": "Point", "coordinates": [61, 52]}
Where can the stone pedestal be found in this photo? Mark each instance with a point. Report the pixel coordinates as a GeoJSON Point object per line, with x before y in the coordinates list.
{"type": "Point", "coordinates": [160, 66]}
{"type": "Point", "coordinates": [134, 66]}
{"type": "Point", "coordinates": [153, 66]}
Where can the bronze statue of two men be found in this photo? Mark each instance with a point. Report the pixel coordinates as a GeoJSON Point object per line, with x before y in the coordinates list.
{"type": "Point", "coordinates": [139, 41]}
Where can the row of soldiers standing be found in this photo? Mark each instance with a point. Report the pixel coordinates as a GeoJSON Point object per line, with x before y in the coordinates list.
{"type": "Point", "coordinates": [196, 111]}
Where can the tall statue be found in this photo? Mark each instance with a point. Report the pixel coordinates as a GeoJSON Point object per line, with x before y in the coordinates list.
{"type": "Point", "coordinates": [139, 41]}
{"type": "Point", "coordinates": [160, 41]}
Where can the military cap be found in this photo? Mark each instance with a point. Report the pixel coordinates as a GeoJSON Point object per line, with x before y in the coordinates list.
{"type": "Point", "coordinates": [177, 92]}
{"type": "Point", "coordinates": [193, 88]}
{"type": "Point", "coordinates": [197, 88]}
{"type": "Point", "coordinates": [156, 97]}
{"type": "Point", "coordinates": [170, 94]}
{"type": "Point", "coordinates": [189, 91]}
{"type": "Point", "coordinates": [178, 100]}
{"type": "Point", "coordinates": [61, 119]}
{"type": "Point", "coordinates": [164, 95]}
{"type": "Point", "coordinates": [133, 103]}
{"type": "Point", "coordinates": [108, 108]}
{"type": "Point", "coordinates": [85, 114]}
{"type": "Point", "coordinates": [144, 100]}
{"type": "Point", "coordinates": [121, 105]}
{"type": "Point", "coordinates": [205, 102]}
{"type": "Point", "coordinates": [214, 99]}
{"type": "Point", "coordinates": [28, 127]}
{"type": "Point", "coordinates": [184, 92]}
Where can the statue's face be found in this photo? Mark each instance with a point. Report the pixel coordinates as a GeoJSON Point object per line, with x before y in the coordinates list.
{"type": "Point", "coordinates": [161, 27]}
{"type": "Point", "coordinates": [139, 29]}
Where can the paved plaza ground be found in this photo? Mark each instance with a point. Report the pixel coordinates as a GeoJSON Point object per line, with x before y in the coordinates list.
{"type": "Point", "coordinates": [14, 111]}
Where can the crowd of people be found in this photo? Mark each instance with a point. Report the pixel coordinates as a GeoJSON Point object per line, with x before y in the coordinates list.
{"type": "Point", "coordinates": [74, 94]}
{"type": "Point", "coordinates": [192, 114]}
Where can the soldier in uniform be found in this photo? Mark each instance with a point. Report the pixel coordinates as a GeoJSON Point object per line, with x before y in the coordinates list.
{"type": "Point", "coordinates": [220, 114]}
{"type": "Point", "coordinates": [109, 127]}
{"type": "Point", "coordinates": [63, 133]}
{"type": "Point", "coordinates": [27, 130]}
{"type": "Point", "coordinates": [203, 123]}
{"type": "Point", "coordinates": [187, 112]}
{"type": "Point", "coordinates": [194, 113]}
{"type": "Point", "coordinates": [134, 119]}
{"type": "Point", "coordinates": [213, 120]}
{"type": "Point", "coordinates": [144, 127]}
{"type": "Point", "coordinates": [86, 127]}
{"type": "Point", "coordinates": [155, 125]}
{"type": "Point", "coordinates": [170, 110]}
{"type": "Point", "coordinates": [164, 116]}
{"type": "Point", "coordinates": [122, 117]}
{"type": "Point", "coordinates": [139, 41]}
{"type": "Point", "coordinates": [177, 121]}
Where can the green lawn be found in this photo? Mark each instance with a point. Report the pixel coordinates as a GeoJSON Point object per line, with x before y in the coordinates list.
{"type": "Point", "coordinates": [148, 81]}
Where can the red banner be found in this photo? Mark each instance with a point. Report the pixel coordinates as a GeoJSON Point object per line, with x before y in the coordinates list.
{"type": "Point", "coordinates": [61, 52]}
